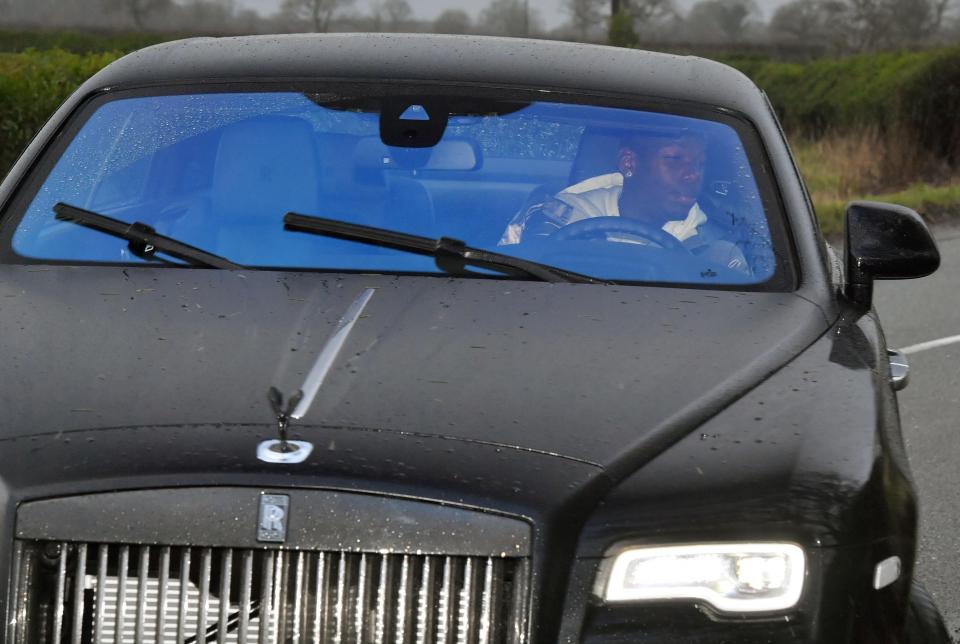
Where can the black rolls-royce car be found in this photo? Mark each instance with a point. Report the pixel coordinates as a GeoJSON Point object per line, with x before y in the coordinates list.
{"type": "Point", "coordinates": [369, 338]}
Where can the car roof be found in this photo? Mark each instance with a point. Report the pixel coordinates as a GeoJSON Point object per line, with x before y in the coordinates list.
{"type": "Point", "coordinates": [419, 57]}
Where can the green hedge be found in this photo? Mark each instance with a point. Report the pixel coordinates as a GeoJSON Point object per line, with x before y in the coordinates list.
{"type": "Point", "coordinates": [918, 91]}
{"type": "Point", "coordinates": [32, 85]}
{"type": "Point", "coordinates": [78, 42]}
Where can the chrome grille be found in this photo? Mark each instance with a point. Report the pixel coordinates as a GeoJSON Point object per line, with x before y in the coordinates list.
{"type": "Point", "coordinates": [79, 593]}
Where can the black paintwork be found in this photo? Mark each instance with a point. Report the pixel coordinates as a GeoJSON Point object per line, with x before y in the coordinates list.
{"type": "Point", "coordinates": [596, 414]}
{"type": "Point", "coordinates": [885, 241]}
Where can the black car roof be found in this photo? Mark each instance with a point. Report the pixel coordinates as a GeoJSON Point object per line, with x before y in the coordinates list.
{"type": "Point", "coordinates": [456, 59]}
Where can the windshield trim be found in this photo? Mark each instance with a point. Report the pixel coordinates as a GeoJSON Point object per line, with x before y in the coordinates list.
{"type": "Point", "coordinates": [786, 278]}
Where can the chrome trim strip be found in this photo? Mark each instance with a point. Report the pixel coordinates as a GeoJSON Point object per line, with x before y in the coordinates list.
{"type": "Point", "coordinates": [202, 617]}
{"type": "Point", "coordinates": [320, 600]}
{"type": "Point", "coordinates": [143, 567]}
{"type": "Point", "coordinates": [360, 612]}
{"type": "Point", "coordinates": [246, 589]}
{"type": "Point", "coordinates": [298, 599]}
{"type": "Point", "coordinates": [121, 594]}
{"type": "Point", "coordinates": [518, 612]}
{"type": "Point", "coordinates": [424, 601]}
{"type": "Point", "coordinates": [16, 581]}
{"type": "Point", "coordinates": [226, 574]}
{"type": "Point", "coordinates": [328, 354]}
{"type": "Point", "coordinates": [78, 588]}
{"type": "Point", "coordinates": [184, 597]}
{"type": "Point", "coordinates": [383, 590]}
{"type": "Point", "coordinates": [341, 605]}
{"type": "Point", "coordinates": [163, 589]}
{"type": "Point", "coordinates": [28, 566]}
{"type": "Point", "coordinates": [446, 602]}
{"type": "Point", "coordinates": [488, 601]}
{"type": "Point", "coordinates": [102, 560]}
{"type": "Point", "coordinates": [266, 595]}
{"type": "Point", "coordinates": [279, 605]}
{"type": "Point", "coordinates": [465, 602]}
{"type": "Point", "coordinates": [403, 593]}
{"type": "Point", "coordinates": [61, 591]}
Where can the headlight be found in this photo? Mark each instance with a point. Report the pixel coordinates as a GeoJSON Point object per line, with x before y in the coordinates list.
{"type": "Point", "coordinates": [731, 577]}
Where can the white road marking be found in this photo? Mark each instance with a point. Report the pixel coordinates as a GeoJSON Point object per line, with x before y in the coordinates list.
{"type": "Point", "coordinates": [932, 344]}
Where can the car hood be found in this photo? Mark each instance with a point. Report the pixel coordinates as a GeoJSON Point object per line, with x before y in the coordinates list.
{"type": "Point", "coordinates": [584, 372]}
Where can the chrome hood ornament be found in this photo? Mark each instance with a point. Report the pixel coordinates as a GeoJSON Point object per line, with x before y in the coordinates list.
{"type": "Point", "coordinates": [288, 451]}
{"type": "Point", "coordinates": [283, 450]}
{"type": "Point", "coordinates": [283, 415]}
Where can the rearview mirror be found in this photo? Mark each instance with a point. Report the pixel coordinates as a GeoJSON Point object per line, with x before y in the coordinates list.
{"type": "Point", "coordinates": [449, 155]}
{"type": "Point", "coordinates": [885, 242]}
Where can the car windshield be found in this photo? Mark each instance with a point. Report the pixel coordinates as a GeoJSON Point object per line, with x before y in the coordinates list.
{"type": "Point", "coordinates": [614, 193]}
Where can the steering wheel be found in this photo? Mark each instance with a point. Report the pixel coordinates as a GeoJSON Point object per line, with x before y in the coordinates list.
{"type": "Point", "coordinates": [593, 227]}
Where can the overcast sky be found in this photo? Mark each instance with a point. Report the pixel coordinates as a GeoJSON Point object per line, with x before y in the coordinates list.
{"type": "Point", "coordinates": [551, 10]}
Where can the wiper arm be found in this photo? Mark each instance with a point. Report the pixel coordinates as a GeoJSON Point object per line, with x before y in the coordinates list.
{"type": "Point", "coordinates": [144, 240]}
{"type": "Point", "coordinates": [452, 255]}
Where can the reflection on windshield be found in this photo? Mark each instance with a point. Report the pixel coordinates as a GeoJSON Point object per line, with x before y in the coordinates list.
{"type": "Point", "coordinates": [612, 193]}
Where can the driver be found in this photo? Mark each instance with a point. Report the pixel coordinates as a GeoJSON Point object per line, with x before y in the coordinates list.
{"type": "Point", "coordinates": [658, 184]}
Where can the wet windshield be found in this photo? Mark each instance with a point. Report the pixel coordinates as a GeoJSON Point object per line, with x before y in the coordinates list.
{"type": "Point", "coordinates": [613, 193]}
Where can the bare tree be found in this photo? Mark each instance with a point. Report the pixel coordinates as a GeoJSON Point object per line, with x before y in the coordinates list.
{"type": "Point", "coordinates": [319, 12]}
{"type": "Point", "coordinates": [585, 15]}
{"type": "Point", "coordinates": [138, 10]}
{"type": "Point", "coordinates": [646, 12]}
{"type": "Point", "coordinates": [727, 17]}
{"type": "Point", "coordinates": [398, 12]}
{"type": "Point", "coordinates": [870, 22]}
{"type": "Point", "coordinates": [207, 13]}
{"type": "Point", "coordinates": [800, 19]}
{"type": "Point", "coordinates": [940, 9]}
{"type": "Point", "coordinates": [452, 21]}
{"type": "Point", "coordinates": [914, 21]}
{"type": "Point", "coordinates": [863, 25]}
{"type": "Point", "coordinates": [510, 18]}
{"type": "Point", "coordinates": [377, 15]}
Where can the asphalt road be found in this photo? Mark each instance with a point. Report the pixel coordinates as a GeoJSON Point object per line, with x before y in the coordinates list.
{"type": "Point", "coordinates": [917, 312]}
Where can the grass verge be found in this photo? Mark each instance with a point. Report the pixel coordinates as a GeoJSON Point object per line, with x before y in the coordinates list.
{"type": "Point", "coordinates": [937, 204]}
{"type": "Point", "coordinates": [867, 164]}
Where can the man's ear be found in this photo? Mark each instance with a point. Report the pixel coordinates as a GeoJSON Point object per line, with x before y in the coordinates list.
{"type": "Point", "coordinates": [627, 163]}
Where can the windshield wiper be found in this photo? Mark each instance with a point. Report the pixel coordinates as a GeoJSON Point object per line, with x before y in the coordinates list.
{"type": "Point", "coordinates": [144, 240]}
{"type": "Point", "coordinates": [451, 255]}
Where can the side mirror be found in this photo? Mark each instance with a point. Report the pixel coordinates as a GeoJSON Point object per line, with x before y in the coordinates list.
{"type": "Point", "coordinates": [885, 242]}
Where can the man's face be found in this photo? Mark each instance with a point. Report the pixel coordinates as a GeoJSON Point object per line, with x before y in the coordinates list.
{"type": "Point", "coordinates": [665, 176]}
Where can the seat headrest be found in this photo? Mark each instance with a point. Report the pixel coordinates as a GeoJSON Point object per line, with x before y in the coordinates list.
{"type": "Point", "coordinates": [370, 158]}
{"type": "Point", "coordinates": [265, 167]}
{"type": "Point", "coordinates": [598, 155]}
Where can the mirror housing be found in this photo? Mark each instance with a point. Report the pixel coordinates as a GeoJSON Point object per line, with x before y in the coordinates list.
{"type": "Point", "coordinates": [885, 242]}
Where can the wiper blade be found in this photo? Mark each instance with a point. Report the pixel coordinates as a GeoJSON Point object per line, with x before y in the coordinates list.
{"type": "Point", "coordinates": [452, 255]}
{"type": "Point", "coordinates": [144, 240]}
